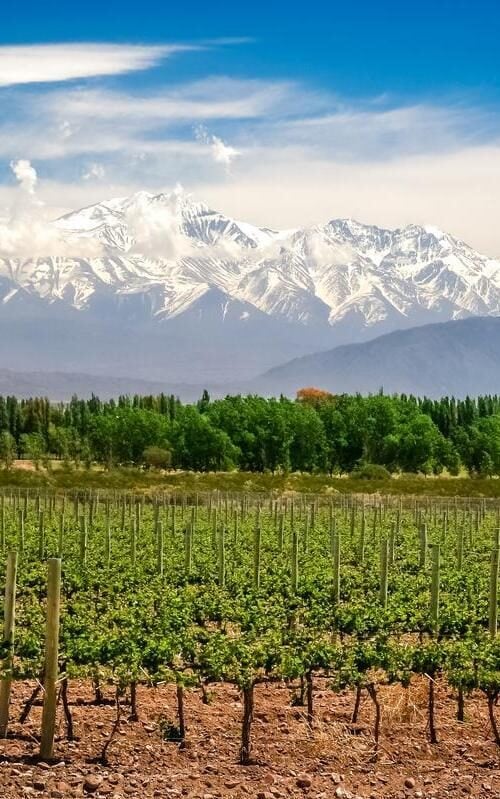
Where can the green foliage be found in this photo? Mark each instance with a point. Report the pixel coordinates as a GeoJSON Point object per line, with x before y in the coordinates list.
{"type": "Point", "coordinates": [157, 457]}
{"type": "Point", "coordinates": [7, 449]}
{"type": "Point", "coordinates": [370, 471]}
{"type": "Point", "coordinates": [33, 447]}
{"type": "Point", "coordinates": [316, 434]}
{"type": "Point", "coordinates": [126, 621]}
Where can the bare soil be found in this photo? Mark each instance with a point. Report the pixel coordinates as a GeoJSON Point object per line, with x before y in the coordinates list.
{"type": "Point", "coordinates": [331, 760]}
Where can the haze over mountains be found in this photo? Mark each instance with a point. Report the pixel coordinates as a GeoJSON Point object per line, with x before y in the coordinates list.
{"type": "Point", "coordinates": [162, 288]}
{"type": "Point", "coordinates": [450, 358]}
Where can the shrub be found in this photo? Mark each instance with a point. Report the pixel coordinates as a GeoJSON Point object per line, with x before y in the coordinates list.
{"type": "Point", "coordinates": [157, 458]}
{"type": "Point", "coordinates": [370, 471]}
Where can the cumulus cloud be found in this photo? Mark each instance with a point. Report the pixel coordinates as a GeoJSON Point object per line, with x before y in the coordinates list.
{"type": "Point", "coordinates": [220, 152]}
{"type": "Point", "coordinates": [155, 228]}
{"type": "Point", "coordinates": [298, 156]}
{"type": "Point", "coordinates": [223, 153]}
{"type": "Point", "coordinates": [25, 174]}
{"type": "Point", "coordinates": [26, 228]}
{"type": "Point", "coordinates": [48, 63]}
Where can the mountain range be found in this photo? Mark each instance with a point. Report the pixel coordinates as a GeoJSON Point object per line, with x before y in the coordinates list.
{"type": "Point", "coordinates": [449, 358]}
{"type": "Point", "coordinates": [163, 288]}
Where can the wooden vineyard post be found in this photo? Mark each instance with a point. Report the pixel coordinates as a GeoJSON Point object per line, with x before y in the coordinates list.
{"type": "Point", "coordinates": [20, 530]}
{"type": "Point", "coordinates": [435, 579]}
{"type": "Point", "coordinates": [295, 561]}
{"type": "Point", "coordinates": [235, 528]}
{"type": "Point", "coordinates": [2, 524]}
{"type": "Point", "coordinates": [305, 542]}
{"type": "Point", "coordinates": [436, 567]}
{"type": "Point", "coordinates": [214, 529]}
{"type": "Point", "coordinates": [222, 556]}
{"type": "Point", "coordinates": [444, 534]}
{"type": "Point", "coordinates": [281, 532]}
{"type": "Point", "coordinates": [138, 516]}
{"type": "Point", "coordinates": [336, 565]}
{"type": "Point", "coordinates": [392, 544]}
{"type": "Point", "coordinates": [256, 555]}
{"type": "Point", "coordinates": [423, 545]}
{"type": "Point", "coordinates": [156, 521]}
{"type": "Point", "coordinates": [41, 535]}
{"type": "Point", "coordinates": [92, 505]}
{"type": "Point", "coordinates": [133, 537]}
{"type": "Point", "coordinates": [374, 531]}
{"type": "Point", "coordinates": [353, 523]}
{"type": "Point", "coordinates": [107, 543]}
{"type": "Point", "coordinates": [493, 600]}
{"type": "Point", "coordinates": [51, 658]}
{"type": "Point", "coordinates": [60, 542]}
{"type": "Point", "coordinates": [460, 547]}
{"type": "Point", "coordinates": [188, 549]}
{"type": "Point", "coordinates": [8, 640]}
{"type": "Point", "coordinates": [160, 549]}
{"type": "Point", "coordinates": [83, 540]}
{"type": "Point", "coordinates": [384, 570]}
{"type": "Point", "coordinates": [362, 537]}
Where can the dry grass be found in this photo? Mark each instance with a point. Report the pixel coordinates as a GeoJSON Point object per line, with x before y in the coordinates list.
{"type": "Point", "coordinates": [24, 475]}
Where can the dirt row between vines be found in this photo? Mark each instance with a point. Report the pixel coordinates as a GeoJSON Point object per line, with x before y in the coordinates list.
{"type": "Point", "coordinates": [332, 760]}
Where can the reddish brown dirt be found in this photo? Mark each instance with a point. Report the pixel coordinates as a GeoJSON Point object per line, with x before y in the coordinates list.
{"type": "Point", "coordinates": [290, 761]}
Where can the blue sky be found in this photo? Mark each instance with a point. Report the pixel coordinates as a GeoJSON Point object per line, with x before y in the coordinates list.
{"type": "Point", "coordinates": [278, 112]}
{"type": "Point", "coordinates": [369, 46]}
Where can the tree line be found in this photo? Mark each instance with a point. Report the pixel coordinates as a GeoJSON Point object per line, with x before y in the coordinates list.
{"type": "Point", "coordinates": [316, 432]}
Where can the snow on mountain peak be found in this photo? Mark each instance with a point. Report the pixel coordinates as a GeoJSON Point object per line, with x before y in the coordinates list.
{"type": "Point", "coordinates": [175, 249]}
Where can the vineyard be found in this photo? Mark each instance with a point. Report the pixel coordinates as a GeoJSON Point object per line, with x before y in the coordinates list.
{"type": "Point", "coordinates": [353, 595]}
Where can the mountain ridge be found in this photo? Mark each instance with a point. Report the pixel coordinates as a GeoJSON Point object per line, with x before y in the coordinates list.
{"type": "Point", "coordinates": [181, 246]}
{"type": "Point", "coordinates": [149, 266]}
{"type": "Point", "coordinates": [449, 358]}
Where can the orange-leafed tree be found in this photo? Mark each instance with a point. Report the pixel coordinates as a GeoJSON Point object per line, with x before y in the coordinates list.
{"type": "Point", "coordinates": [313, 396]}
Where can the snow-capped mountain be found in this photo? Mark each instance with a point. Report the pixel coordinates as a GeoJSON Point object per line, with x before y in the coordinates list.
{"type": "Point", "coordinates": [176, 250]}
{"type": "Point", "coordinates": [153, 259]}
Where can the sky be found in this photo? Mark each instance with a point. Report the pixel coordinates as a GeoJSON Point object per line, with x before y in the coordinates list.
{"type": "Point", "coordinates": [281, 114]}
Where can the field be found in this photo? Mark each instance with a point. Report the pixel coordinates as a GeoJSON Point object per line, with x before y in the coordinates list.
{"type": "Point", "coordinates": [244, 644]}
{"type": "Point", "coordinates": [24, 475]}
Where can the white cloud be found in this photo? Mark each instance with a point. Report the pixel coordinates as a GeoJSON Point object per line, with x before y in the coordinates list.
{"type": "Point", "coordinates": [48, 63]}
{"type": "Point", "coordinates": [296, 156]}
{"type": "Point", "coordinates": [223, 153]}
{"type": "Point", "coordinates": [156, 230]}
{"type": "Point", "coordinates": [283, 188]}
{"type": "Point", "coordinates": [60, 124]}
{"type": "Point", "coordinates": [94, 172]}
{"type": "Point", "coordinates": [212, 98]}
{"type": "Point", "coordinates": [25, 229]}
{"type": "Point", "coordinates": [456, 191]}
{"type": "Point", "coordinates": [220, 152]}
{"type": "Point", "coordinates": [25, 174]}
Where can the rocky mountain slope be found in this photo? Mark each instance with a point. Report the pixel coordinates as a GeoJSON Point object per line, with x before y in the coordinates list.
{"type": "Point", "coordinates": [165, 281]}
